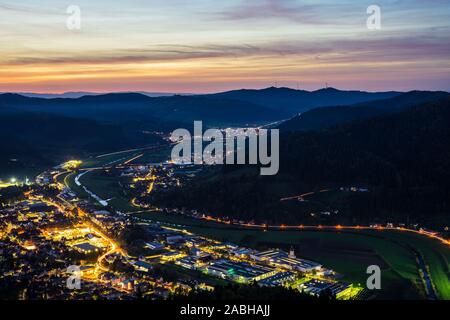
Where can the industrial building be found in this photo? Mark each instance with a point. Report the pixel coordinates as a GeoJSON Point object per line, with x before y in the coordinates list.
{"type": "Point", "coordinates": [142, 266]}
{"type": "Point", "coordinates": [278, 279]}
{"type": "Point", "coordinates": [282, 259]}
{"type": "Point", "coordinates": [86, 248]}
{"type": "Point", "coordinates": [316, 287]}
{"type": "Point", "coordinates": [239, 271]}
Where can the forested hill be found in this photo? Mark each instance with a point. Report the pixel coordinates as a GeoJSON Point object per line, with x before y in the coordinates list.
{"type": "Point", "coordinates": [31, 142]}
{"type": "Point", "coordinates": [327, 117]}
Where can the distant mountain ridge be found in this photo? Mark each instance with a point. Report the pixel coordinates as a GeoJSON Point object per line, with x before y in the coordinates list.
{"type": "Point", "coordinates": [239, 107]}
{"type": "Point", "coordinates": [291, 101]}
{"type": "Point", "coordinates": [79, 94]}
{"type": "Point", "coordinates": [120, 107]}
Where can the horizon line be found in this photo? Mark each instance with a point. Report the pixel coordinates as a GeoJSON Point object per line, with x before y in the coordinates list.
{"type": "Point", "coordinates": [205, 93]}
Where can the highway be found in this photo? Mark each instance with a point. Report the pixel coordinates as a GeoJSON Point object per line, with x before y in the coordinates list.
{"type": "Point", "coordinates": [114, 248]}
{"type": "Point", "coordinates": [132, 150]}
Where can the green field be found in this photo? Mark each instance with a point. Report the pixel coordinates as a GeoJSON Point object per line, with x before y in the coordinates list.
{"type": "Point", "coordinates": [437, 257]}
{"type": "Point", "coordinates": [104, 186]}
{"type": "Point", "coordinates": [107, 187]}
{"type": "Point", "coordinates": [69, 180]}
{"type": "Point", "coordinates": [98, 182]}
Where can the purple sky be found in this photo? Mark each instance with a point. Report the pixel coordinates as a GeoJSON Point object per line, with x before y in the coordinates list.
{"type": "Point", "coordinates": [206, 46]}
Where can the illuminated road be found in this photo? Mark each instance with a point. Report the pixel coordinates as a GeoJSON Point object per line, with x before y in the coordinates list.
{"type": "Point", "coordinates": [132, 159]}
{"type": "Point", "coordinates": [123, 151]}
{"type": "Point", "coordinates": [301, 196]}
{"type": "Point", "coordinates": [56, 176]}
{"type": "Point", "coordinates": [114, 248]}
{"type": "Point", "coordinates": [132, 150]}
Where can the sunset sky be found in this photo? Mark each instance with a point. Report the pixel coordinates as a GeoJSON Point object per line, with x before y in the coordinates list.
{"type": "Point", "coordinates": [207, 46]}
